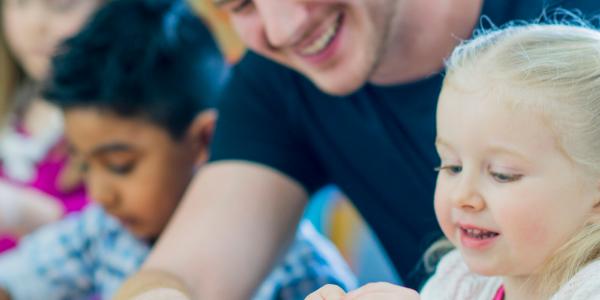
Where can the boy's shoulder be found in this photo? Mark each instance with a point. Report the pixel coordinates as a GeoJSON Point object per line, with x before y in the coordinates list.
{"type": "Point", "coordinates": [86, 252]}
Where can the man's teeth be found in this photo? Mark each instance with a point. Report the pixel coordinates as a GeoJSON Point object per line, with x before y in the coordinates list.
{"type": "Point", "coordinates": [319, 44]}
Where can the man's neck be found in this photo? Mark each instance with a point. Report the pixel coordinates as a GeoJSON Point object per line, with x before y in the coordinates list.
{"type": "Point", "coordinates": [422, 34]}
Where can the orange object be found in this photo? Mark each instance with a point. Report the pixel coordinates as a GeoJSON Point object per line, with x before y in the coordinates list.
{"type": "Point", "coordinates": [218, 21]}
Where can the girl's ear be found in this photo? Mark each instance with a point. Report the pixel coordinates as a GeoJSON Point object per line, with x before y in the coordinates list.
{"type": "Point", "coordinates": [596, 207]}
{"type": "Point", "coordinates": [200, 134]}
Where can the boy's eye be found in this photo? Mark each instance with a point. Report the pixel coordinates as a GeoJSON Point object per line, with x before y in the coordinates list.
{"type": "Point", "coordinates": [505, 178]}
{"type": "Point", "coordinates": [450, 169]}
{"type": "Point", "coordinates": [121, 169]}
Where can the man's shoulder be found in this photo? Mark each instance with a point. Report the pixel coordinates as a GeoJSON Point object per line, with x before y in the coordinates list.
{"type": "Point", "coordinates": [550, 10]}
{"type": "Point", "coordinates": [254, 65]}
{"type": "Point", "coordinates": [260, 73]}
{"type": "Point", "coordinates": [501, 12]}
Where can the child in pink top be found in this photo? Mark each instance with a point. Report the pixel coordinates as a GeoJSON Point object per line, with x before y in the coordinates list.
{"type": "Point", "coordinates": [37, 184]}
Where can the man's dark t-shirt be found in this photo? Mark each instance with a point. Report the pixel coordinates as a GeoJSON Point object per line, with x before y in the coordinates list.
{"type": "Point", "coordinates": [377, 144]}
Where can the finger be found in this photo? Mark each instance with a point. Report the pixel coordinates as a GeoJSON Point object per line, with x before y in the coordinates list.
{"type": "Point", "coordinates": [383, 290]}
{"type": "Point", "coordinates": [162, 294]}
{"type": "Point", "coordinates": [327, 292]}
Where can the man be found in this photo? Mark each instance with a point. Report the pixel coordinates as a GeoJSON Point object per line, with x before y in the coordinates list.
{"type": "Point", "coordinates": [362, 118]}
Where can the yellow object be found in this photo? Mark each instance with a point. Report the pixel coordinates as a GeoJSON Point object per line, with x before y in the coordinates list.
{"type": "Point", "coordinates": [146, 281]}
{"type": "Point", "coordinates": [229, 42]}
{"type": "Point", "coordinates": [345, 224]}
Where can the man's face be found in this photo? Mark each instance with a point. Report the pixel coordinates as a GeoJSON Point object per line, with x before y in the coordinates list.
{"type": "Point", "coordinates": [134, 169]}
{"type": "Point", "coordinates": [336, 43]}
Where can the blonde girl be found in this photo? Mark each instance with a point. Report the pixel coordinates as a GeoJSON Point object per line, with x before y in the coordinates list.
{"type": "Point", "coordinates": [518, 191]}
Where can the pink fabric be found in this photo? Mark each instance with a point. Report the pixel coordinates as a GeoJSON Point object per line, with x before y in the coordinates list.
{"type": "Point", "coordinates": [48, 171]}
{"type": "Point", "coordinates": [500, 293]}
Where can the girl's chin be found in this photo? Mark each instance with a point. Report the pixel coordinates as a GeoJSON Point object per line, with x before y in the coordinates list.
{"type": "Point", "coordinates": [484, 268]}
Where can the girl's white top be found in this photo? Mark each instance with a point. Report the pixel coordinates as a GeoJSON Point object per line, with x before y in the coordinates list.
{"type": "Point", "coordinates": [453, 281]}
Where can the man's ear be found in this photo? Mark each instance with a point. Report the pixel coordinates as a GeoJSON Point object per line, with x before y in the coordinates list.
{"type": "Point", "coordinates": [200, 134]}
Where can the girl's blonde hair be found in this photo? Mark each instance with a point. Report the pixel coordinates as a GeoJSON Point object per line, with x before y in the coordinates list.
{"type": "Point", "coordinates": [553, 70]}
{"type": "Point", "coordinates": [11, 76]}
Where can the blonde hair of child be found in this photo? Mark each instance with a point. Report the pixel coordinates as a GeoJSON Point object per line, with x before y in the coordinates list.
{"type": "Point", "coordinates": [552, 70]}
{"type": "Point", "coordinates": [11, 76]}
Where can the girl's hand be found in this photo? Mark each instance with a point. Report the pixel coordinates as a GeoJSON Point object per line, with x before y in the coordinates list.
{"type": "Point", "coordinates": [382, 291]}
{"type": "Point", "coordinates": [327, 292]}
{"type": "Point", "coordinates": [372, 291]}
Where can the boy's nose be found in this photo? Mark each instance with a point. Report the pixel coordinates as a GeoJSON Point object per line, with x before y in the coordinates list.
{"type": "Point", "coordinates": [102, 193]}
{"type": "Point", "coordinates": [106, 199]}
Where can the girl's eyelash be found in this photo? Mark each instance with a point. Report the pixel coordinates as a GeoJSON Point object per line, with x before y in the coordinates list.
{"type": "Point", "coordinates": [450, 168]}
{"type": "Point", "coordinates": [501, 177]}
{"type": "Point", "coordinates": [498, 176]}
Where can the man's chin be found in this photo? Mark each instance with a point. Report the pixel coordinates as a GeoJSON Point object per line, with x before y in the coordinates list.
{"type": "Point", "coordinates": [338, 86]}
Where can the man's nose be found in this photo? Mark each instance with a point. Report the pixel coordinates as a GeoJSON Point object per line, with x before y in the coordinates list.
{"type": "Point", "coordinates": [284, 21]}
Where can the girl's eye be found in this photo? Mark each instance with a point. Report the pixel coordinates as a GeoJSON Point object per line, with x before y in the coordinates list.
{"type": "Point", "coordinates": [450, 169]}
{"type": "Point", "coordinates": [505, 178]}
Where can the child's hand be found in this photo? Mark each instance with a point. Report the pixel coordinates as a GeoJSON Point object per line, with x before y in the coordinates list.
{"type": "Point", "coordinates": [383, 291]}
{"type": "Point", "coordinates": [372, 291]}
{"type": "Point", "coordinates": [327, 292]}
{"type": "Point", "coordinates": [23, 209]}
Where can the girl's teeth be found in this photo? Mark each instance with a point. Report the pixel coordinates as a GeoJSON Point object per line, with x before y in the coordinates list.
{"type": "Point", "coordinates": [479, 234]}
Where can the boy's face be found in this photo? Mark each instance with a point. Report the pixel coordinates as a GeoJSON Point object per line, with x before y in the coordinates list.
{"type": "Point", "coordinates": [134, 169]}
{"type": "Point", "coordinates": [507, 195]}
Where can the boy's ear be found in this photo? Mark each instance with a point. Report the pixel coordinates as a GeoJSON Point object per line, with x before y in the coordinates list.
{"type": "Point", "coordinates": [200, 134]}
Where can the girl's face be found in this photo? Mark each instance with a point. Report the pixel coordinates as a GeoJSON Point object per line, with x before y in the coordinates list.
{"type": "Point", "coordinates": [507, 196]}
{"type": "Point", "coordinates": [34, 28]}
